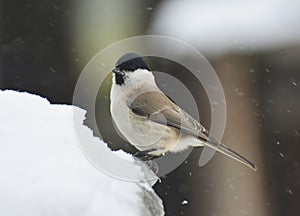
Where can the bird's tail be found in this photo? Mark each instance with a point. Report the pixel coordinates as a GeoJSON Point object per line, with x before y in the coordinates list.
{"type": "Point", "coordinates": [230, 153]}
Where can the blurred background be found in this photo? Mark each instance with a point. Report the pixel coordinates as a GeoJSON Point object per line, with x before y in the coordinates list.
{"type": "Point", "coordinates": [254, 46]}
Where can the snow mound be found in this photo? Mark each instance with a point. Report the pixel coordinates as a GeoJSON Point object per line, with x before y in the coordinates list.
{"type": "Point", "coordinates": [43, 171]}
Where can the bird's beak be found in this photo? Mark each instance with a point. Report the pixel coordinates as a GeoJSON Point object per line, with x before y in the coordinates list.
{"type": "Point", "coordinates": [116, 71]}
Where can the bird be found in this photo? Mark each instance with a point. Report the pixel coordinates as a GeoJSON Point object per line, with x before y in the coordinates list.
{"type": "Point", "coordinates": [149, 120]}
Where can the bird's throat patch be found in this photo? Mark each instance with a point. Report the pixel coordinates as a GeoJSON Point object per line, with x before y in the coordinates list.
{"type": "Point", "coordinates": [119, 79]}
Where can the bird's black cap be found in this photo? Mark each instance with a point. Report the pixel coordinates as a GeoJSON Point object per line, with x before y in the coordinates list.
{"type": "Point", "coordinates": [131, 62]}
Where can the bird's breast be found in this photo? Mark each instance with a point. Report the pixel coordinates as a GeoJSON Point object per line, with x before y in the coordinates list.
{"type": "Point", "coordinates": [141, 132]}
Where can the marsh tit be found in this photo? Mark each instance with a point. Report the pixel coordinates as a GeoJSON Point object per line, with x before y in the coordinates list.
{"type": "Point", "coordinates": [150, 120]}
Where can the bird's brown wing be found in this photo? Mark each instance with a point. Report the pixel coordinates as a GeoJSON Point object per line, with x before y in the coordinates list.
{"type": "Point", "coordinates": [157, 107]}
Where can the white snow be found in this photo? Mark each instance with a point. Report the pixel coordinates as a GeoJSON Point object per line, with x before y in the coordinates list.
{"type": "Point", "coordinates": [216, 27]}
{"type": "Point", "coordinates": [43, 171]}
{"type": "Point", "coordinates": [184, 202]}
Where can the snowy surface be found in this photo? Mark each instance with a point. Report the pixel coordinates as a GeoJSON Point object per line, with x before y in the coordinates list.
{"type": "Point", "coordinates": [218, 26]}
{"type": "Point", "coordinates": [43, 171]}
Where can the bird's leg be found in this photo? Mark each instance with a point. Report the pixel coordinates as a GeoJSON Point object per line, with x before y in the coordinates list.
{"type": "Point", "coordinates": [147, 159]}
{"type": "Point", "coordinates": [144, 155]}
